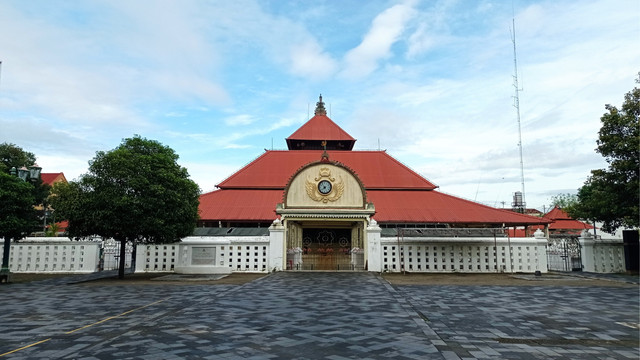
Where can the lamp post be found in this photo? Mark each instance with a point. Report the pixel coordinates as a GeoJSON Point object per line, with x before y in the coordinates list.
{"type": "Point", "coordinates": [31, 174]}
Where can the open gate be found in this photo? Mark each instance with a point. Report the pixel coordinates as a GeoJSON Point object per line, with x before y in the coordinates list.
{"type": "Point", "coordinates": [564, 254]}
{"type": "Point", "coordinates": [110, 255]}
{"type": "Point", "coordinates": [328, 249]}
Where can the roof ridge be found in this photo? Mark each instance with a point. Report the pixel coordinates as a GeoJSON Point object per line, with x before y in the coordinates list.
{"type": "Point", "coordinates": [409, 168]}
{"type": "Point", "coordinates": [377, 169]}
{"type": "Point", "coordinates": [316, 118]}
{"type": "Point", "coordinates": [543, 220]}
{"type": "Point", "coordinates": [241, 168]}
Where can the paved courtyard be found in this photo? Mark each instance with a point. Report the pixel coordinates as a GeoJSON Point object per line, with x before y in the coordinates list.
{"type": "Point", "coordinates": [317, 316]}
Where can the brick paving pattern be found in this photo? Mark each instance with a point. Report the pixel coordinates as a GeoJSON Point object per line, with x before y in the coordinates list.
{"type": "Point", "coordinates": [317, 316]}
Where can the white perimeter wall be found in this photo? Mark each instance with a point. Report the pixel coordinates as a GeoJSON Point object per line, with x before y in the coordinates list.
{"type": "Point", "coordinates": [473, 255]}
{"type": "Point", "coordinates": [206, 254]}
{"type": "Point", "coordinates": [602, 256]}
{"type": "Point", "coordinates": [254, 254]}
{"type": "Point", "coordinates": [53, 255]}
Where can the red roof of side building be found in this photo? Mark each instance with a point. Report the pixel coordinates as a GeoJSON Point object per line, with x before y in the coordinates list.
{"type": "Point", "coordinates": [376, 170]}
{"type": "Point", "coordinates": [392, 206]}
{"type": "Point", "coordinates": [560, 223]}
{"type": "Point", "coordinates": [320, 127]}
{"type": "Point", "coordinates": [51, 178]}
{"type": "Point", "coordinates": [560, 220]}
{"type": "Point", "coordinates": [62, 226]}
{"type": "Point", "coordinates": [569, 225]}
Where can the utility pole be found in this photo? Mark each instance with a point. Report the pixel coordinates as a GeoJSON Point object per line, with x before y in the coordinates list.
{"type": "Point", "coordinates": [516, 104]}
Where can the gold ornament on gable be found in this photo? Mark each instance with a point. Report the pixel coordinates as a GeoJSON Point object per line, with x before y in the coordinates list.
{"type": "Point", "coordinates": [324, 187]}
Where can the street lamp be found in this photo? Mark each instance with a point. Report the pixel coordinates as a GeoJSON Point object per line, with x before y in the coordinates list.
{"type": "Point", "coordinates": [31, 174]}
{"type": "Point", "coordinates": [34, 171]}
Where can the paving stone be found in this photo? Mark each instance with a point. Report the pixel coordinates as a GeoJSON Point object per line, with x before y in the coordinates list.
{"type": "Point", "coordinates": [317, 316]}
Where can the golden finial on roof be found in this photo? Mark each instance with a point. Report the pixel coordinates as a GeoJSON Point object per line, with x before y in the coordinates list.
{"type": "Point", "coordinates": [320, 110]}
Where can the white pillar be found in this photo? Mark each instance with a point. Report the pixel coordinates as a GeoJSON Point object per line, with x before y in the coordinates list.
{"type": "Point", "coordinates": [141, 258]}
{"type": "Point", "coordinates": [374, 249]}
{"type": "Point", "coordinates": [541, 243]}
{"type": "Point", "coordinates": [276, 246]}
{"type": "Point", "coordinates": [586, 251]}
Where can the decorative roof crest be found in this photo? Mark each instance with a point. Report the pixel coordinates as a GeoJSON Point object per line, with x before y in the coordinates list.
{"type": "Point", "coordinates": [324, 172]}
{"type": "Point", "coordinates": [320, 110]}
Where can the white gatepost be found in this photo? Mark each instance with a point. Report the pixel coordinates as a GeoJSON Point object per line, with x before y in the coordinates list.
{"type": "Point", "coordinates": [587, 243]}
{"type": "Point", "coordinates": [373, 251]}
{"type": "Point", "coordinates": [542, 240]}
{"type": "Point", "coordinates": [276, 246]}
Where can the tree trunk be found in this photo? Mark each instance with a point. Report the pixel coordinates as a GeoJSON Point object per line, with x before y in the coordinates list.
{"type": "Point", "coordinates": [134, 254]}
{"type": "Point", "coordinates": [5, 253]}
{"type": "Point", "coordinates": [123, 254]}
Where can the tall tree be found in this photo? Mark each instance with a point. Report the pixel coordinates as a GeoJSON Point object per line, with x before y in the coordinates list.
{"type": "Point", "coordinates": [13, 156]}
{"type": "Point", "coordinates": [17, 215]}
{"type": "Point", "coordinates": [612, 195]}
{"type": "Point", "coordinates": [564, 201]}
{"type": "Point", "coordinates": [136, 192]}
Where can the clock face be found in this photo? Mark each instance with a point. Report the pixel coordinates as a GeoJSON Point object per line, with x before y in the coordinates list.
{"type": "Point", "coordinates": [324, 187]}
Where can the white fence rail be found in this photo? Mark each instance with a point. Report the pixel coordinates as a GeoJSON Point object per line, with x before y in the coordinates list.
{"type": "Point", "coordinates": [226, 254]}
{"type": "Point", "coordinates": [54, 255]}
{"type": "Point", "coordinates": [208, 254]}
{"type": "Point", "coordinates": [475, 255]}
{"type": "Point", "coordinates": [602, 256]}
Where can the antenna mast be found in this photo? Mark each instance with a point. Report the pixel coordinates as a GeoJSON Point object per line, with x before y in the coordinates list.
{"type": "Point", "coordinates": [516, 104]}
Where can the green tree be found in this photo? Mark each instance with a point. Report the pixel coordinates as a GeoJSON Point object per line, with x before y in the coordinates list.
{"type": "Point", "coordinates": [612, 195]}
{"type": "Point", "coordinates": [136, 192]}
{"type": "Point", "coordinates": [52, 230]}
{"type": "Point", "coordinates": [13, 156]}
{"type": "Point", "coordinates": [564, 201]}
{"type": "Point", "coordinates": [17, 215]}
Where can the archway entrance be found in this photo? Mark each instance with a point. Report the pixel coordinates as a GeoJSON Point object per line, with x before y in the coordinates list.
{"type": "Point", "coordinates": [329, 246]}
{"type": "Point", "coordinates": [324, 213]}
{"type": "Point", "coordinates": [326, 249]}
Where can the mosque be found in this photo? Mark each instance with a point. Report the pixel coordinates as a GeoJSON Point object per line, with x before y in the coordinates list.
{"type": "Point", "coordinates": [330, 202]}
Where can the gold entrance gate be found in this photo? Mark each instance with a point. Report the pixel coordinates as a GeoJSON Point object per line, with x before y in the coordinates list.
{"type": "Point", "coordinates": [334, 248]}
{"type": "Point", "coordinates": [326, 249]}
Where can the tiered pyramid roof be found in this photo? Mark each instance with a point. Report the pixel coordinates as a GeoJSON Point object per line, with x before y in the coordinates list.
{"type": "Point", "coordinates": [400, 195]}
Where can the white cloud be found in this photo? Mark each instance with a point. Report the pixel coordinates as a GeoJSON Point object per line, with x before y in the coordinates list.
{"type": "Point", "coordinates": [208, 175]}
{"type": "Point", "coordinates": [421, 41]}
{"type": "Point", "coordinates": [385, 30]}
{"type": "Point", "coordinates": [433, 28]}
{"type": "Point", "coordinates": [308, 60]}
{"type": "Point", "coordinates": [239, 120]}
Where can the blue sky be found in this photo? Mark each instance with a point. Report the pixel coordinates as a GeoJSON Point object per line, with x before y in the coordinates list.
{"type": "Point", "coordinates": [220, 81]}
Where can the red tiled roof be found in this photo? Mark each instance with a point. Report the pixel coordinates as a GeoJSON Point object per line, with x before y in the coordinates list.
{"type": "Point", "coordinates": [399, 194]}
{"type": "Point", "coordinates": [62, 225]}
{"type": "Point", "coordinates": [560, 220]}
{"type": "Point", "coordinates": [437, 207]}
{"type": "Point", "coordinates": [376, 170]}
{"type": "Point", "coordinates": [320, 127]}
{"type": "Point", "coordinates": [396, 206]}
{"type": "Point", "coordinates": [562, 224]}
{"type": "Point", "coordinates": [50, 178]}
{"type": "Point", "coordinates": [240, 205]}
{"type": "Point", "coordinates": [557, 213]}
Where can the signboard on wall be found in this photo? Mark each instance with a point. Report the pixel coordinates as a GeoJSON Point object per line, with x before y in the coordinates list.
{"type": "Point", "coordinates": [203, 255]}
